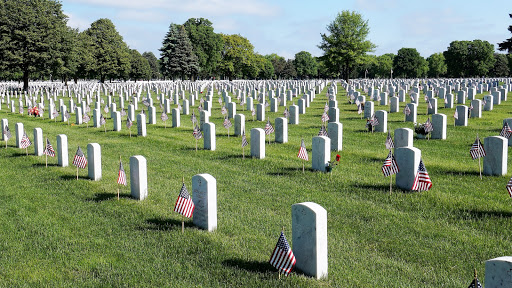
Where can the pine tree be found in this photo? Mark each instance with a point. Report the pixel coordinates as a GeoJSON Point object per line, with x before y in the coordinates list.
{"type": "Point", "coordinates": [178, 58]}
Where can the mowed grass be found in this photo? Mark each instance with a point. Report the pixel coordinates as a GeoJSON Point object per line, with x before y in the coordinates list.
{"type": "Point", "coordinates": [57, 231]}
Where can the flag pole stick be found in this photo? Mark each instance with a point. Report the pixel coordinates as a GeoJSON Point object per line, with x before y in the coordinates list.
{"type": "Point", "coordinates": [183, 217]}
{"type": "Point", "coordinates": [26, 150]}
{"type": "Point", "coordinates": [46, 154]}
{"type": "Point", "coordinates": [390, 183]}
{"type": "Point", "coordinates": [130, 131]}
{"type": "Point", "coordinates": [76, 172]}
{"type": "Point", "coordinates": [302, 166]}
{"type": "Point", "coordinates": [480, 168]}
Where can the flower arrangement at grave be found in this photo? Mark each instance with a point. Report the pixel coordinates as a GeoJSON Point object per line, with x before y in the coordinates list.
{"type": "Point", "coordinates": [423, 129]}
{"type": "Point", "coordinates": [333, 164]}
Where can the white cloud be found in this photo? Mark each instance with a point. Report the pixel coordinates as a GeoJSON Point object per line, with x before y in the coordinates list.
{"type": "Point", "coordinates": [77, 22]}
{"type": "Point", "coordinates": [144, 15]}
{"type": "Point", "coordinates": [211, 7]}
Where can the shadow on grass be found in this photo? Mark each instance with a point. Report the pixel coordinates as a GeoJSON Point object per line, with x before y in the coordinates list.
{"type": "Point", "coordinates": [20, 154]}
{"type": "Point", "coordinates": [251, 266]}
{"type": "Point", "coordinates": [44, 165]}
{"type": "Point", "coordinates": [166, 224]}
{"type": "Point", "coordinates": [73, 177]}
{"type": "Point", "coordinates": [381, 187]}
{"type": "Point", "coordinates": [459, 173]}
{"type": "Point", "coordinates": [234, 156]}
{"type": "Point", "coordinates": [100, 197]}
{"type": "Point", "coordinates": [481, 214]}
{"type": "Point", "coordinates": [287, 171]}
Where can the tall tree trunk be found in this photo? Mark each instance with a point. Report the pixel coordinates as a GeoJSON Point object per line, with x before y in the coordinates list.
{"type": "Point", "coordinates": [25, 80]}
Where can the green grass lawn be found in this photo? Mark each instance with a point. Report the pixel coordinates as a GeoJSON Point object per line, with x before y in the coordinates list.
{"type": "Point", "coordinates": [57, 231]}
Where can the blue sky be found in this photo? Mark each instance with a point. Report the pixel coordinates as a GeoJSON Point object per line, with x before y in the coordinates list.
{"type": "Point", "coordinates": [288, 27]}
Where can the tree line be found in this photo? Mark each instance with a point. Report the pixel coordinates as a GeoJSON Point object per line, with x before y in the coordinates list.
{"type": "Point", "coordinates": [36, 43]}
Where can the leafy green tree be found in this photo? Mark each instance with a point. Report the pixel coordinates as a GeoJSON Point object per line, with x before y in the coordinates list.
{"type": "Point", "coordinates": [278, 63]}
{"type": "Point", "coordinates": [305, 65]}
{"type": "Point", "coordinates": [66, 67]}
{"type": "Point", "coordinates": [139, 65]}
{"type": "Point", "coordinates": [289, 71]}
{"type": "Point", "coordinates": [178, 58]}
{"type": "Point", "coordinates": [384, 65]}
{"type": "Point", "coordinates": [110, 53]}
{"type": "Point", "coordinates": [85, 57]}
{"type": "Point", "coordinates": [500, 68]}
{"type": "Point", "coordinates": [267, 69]}
{"type": "Point", "coordinates": [31, 38]}
{"type": "Point", "coordinates": [436, 65]}
{"type": "Point", "coordinates": [346, 44]}
{"type": "Point", "coordinates": [507, 44]}
{"type": "Point", "coordinates": [153, 64]}
{"type": "Point", "coordinates": [207, 45]}
{"type": "Point", "coordinates": [237, 55]}
{"type": "Point", "coordinates": [469, 58]}
{"type": "Point", "coordinates": [408, 63]}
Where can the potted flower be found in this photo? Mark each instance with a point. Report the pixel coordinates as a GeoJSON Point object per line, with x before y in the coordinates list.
{"type": "Point", "coordinates": [332, 164]}
{"type": "Point", "coordinates": [421, 133]}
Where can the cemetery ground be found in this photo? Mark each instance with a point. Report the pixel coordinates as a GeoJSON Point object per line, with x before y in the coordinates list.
{"type": "Point", "coordinates": [62, 232]}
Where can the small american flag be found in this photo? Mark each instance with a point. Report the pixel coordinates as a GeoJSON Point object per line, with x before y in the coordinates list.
{"type": "Point", "coordinates": [429, 105]}
{"type": "Point", "coordinates": [253, 112]}
{"type": "Point", "coordinates": [179, 106]}
{"type": "Point", "coordinates": [477, 150]}
{"type": "Point", "coordinates": [389, 167]}
{"type": "Point", "coordinates": [325, 117]}
{"type": "Point", "coordinates": [105, 109]}
{"type": "Point", "coordinates": [359, 109]}
{"type": "Point", "coordinates": [80, 160]}
{"type": "Point", "coordinates": [303, 153]}
{"type": "Point", "coordinates": [506, 131]}
{"type": "Point", "coordinates": [7, 133]}
{"type": "Point", "coordinates": [193, 118]}
{"type": "Point", "coordinates": [220, 99]}
{"type": "Point", "coordinates": [475, 284]}
{"type": "Point", "coordinates": [456, 114]}
{"type": "Point", "coordinates": [48, 150]}
{"type": "Point", "coordinates": [267, 104]}
{"type": "Point", "coordinates": [428, 126]}
{"type": "Point", "coordinates": [282, 257]}
{"type": "Point", "coordinates": [197, 133]}
{"type": "Point", "coordinates": [66, 114]}
{"type": "Point", "coordinates": [102, 120]}
{"type": "Point", "coordinates": [123, 112]}
{"type": "Point", "coordinates": [374, 121]}
{"type": "Point", "coordinates": [509, 187]}
{"type": "Point", "coordinates": [268, 128]}
{"type": "Point", "coordinates": [484, 102]}
{"type": "Point", "coordinates": [25, 142]}
{"type": "Point", "coordinates": [244, 140]}
{"type": "Point", "coordinates": [223, 110]}
{"type": "Point", "coordinates": [121, 178]}
{"type": "Point", "coordinates": [326, 107]}
{"type": "Point", "coordinates": [86, 118]}
{"type": "Point", "coordinates": [389, 142]}
{"type": "Point", "coordinates": [422, 180]}
{"type": "Point", "coordinates": [55, 113]}
{"type": "Point", "coordinates": [323, 132]}
{"type": "Point", "coordinates": [164, 117]}
{"type": "Point", "coordinates": [21, 110]}
{"type": "Point", "coordinates": [407, 110]}
{"type": "Point", "coordinates": [227, 124]}
{"type": "Point", "coordinates": [184, 205]}
{"type": "Point", "coordinates": [129, 123]}
{"type": "Point", "coordinates": [286, 113]}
